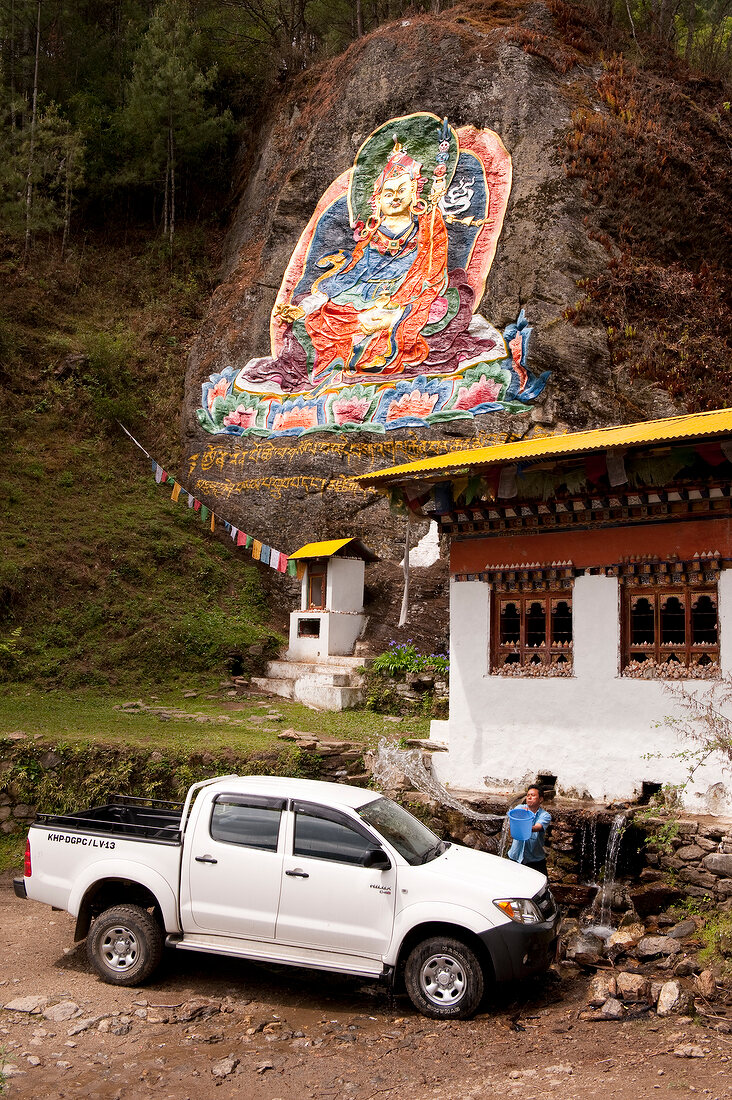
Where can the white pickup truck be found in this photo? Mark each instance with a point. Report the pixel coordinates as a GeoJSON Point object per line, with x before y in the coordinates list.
{"type": "Point", "coordinates": [313, 874]}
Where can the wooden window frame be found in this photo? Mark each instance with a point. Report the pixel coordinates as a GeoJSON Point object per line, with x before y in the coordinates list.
{"type": "Point", "coordinates": [687, 652]}
{"type": "Point", "coordinates": [320, 570]}
{"type": "Point", "coordinates": [549, 652]}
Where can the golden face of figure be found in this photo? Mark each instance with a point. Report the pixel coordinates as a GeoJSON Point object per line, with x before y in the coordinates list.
{"type": "Point", "coordinates": [396, 197]}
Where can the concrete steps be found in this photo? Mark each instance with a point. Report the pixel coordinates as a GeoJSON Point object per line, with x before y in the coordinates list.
{"type": "Point", "coordinates": [331, 684]}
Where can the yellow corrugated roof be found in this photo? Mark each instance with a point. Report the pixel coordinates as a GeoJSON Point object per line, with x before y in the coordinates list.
{"type": "Point", "coordinates": [321, 549]}
{"type": "Point", "coordinates": [671, 429]}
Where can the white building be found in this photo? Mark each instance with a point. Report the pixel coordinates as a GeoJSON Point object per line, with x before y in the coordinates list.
{"type": "Point", "coordinates": [331, 616]}
{"type": "Point", "coordinates": [590, 581]}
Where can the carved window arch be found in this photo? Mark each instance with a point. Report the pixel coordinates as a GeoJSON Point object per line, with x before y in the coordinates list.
{"type": "Point", "coordinates": [316, 590]}
{"type": "Point", "coordinates": [672, 627]}
{"type": "Point", "coordinates": [532, 631]}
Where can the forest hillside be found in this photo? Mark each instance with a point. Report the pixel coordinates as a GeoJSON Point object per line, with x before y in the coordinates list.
{"type": "Point", "coordinates": [158, 164]}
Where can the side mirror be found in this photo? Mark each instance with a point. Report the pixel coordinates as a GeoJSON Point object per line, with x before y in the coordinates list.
{"type": "Point", "coordinates": [377, 859]}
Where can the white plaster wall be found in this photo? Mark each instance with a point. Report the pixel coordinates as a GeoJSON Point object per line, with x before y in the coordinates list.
{"type": "Point", "coordinates": [345, 584]}
{"type": "Point", "coordinates": [427, 550]}
{"type": "Point", "coordinates": [307, 649]}
{"type": "Point", "coordinates": [338, 635]}
{"type": "Point", "coordinates": [724, 596]}
{"type": "Point", "coordinates": [343, 631]}
{"type": "Point", "coordinates": [593, 730]}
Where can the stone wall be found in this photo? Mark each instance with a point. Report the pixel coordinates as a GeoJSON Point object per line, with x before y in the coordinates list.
{"type": "Point", "coordinates": [701, 859]}
{"type": "Point", "coordinates": [37, 777]}
{"type": "Point", "coordinates": [661, 860]}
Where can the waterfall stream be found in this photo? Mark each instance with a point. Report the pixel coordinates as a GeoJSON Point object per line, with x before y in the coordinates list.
{"type": "Point", "coordinates": [599, 915]}
{"type": "Point", "coordinates": [588, 852]}
{"type": "Point", "coordinates": [390, 763]}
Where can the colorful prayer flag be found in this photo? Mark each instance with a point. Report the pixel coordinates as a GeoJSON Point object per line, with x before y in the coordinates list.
{"type": "Point", "coordinates": [276, 559]}
{"type": "Point", "coordinates": [595, 467]}
{"type": "Point", "coordinates": [616, 474]}
{"type": "Point", "coordinates": [507, 487]}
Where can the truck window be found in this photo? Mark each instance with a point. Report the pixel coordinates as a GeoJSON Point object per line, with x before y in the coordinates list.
{"type": "Point", "coordinates": [250, 826]}
{"type": "Point", "coordinates": [321, 838]}
{"type": "Point", "coordinates": [410, 837]}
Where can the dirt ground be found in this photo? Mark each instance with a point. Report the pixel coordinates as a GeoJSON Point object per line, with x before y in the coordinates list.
{"type": "Point", "coordinates": [286, 1034]}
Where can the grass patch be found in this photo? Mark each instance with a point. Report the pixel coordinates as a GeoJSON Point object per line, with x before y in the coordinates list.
{"type": "Point", "coordinates": [717, 939]}
{"type": "Point", "coordinates": [89, 717]}
{"type": "Point", "coordinates": [65, 751]}
{"type": "Point", "coordinates": [104, 581]}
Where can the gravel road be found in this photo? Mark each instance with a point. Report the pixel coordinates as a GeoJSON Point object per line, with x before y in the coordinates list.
{"type": "Point", "coordinates": [273, 1033]}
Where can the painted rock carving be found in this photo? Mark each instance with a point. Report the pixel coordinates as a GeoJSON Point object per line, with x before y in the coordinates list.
{"type": "Point", "coordinates": [373, 327]}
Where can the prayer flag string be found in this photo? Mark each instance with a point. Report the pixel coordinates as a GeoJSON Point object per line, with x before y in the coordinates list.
{"type": "Point", "coordinates": [267, 555]}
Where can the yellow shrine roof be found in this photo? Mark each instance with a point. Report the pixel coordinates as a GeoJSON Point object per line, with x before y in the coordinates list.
{"type": "Point", "coordinates": [332, 547]}
{"type": "Point", "coordinates": [673, 429]}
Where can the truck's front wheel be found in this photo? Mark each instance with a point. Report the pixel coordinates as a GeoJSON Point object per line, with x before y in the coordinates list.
{"type": "Point", "coordinates": [444, 979]}
{"type": "Point", "coordinates": [125, 945]}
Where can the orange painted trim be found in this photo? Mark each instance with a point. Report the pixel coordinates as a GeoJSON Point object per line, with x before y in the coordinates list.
{"type": "Point", "coordinates": [606, 546]}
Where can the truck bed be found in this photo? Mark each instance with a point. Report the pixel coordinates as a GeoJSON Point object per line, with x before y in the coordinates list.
{"type": "Point", "coordinates": [137, 818]}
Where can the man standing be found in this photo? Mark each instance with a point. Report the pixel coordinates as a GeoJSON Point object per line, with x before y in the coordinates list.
{"type": "Point", "coordinates": [531, 852]}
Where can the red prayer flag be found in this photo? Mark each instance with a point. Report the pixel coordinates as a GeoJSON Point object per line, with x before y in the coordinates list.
{"type": "Point", "coordinates": [595, 467]}
{"type": "Point", "coordinates": [710, 452]}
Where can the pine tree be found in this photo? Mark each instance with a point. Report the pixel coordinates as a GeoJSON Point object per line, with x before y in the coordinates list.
{"type": "Point", "coordinates": [169, 120]}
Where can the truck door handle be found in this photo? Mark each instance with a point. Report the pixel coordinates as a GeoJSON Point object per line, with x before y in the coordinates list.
{"type": "Point", "coordinates": [297, 874]}
{"type": "Point", "coordinates": [206, 859]}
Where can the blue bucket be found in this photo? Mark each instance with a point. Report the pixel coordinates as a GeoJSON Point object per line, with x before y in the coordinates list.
{"type": "Point", "coordinates": [520, 822]}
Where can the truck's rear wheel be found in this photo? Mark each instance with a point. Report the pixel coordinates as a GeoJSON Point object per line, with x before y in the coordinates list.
{"type": "Point", "coordinates": [444, 979]}
{"type": "Point", "coordinates": [125, 945]}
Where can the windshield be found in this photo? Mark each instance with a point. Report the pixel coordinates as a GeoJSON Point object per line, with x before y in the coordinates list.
{"type": "Point", "coordinates": [410, 837]}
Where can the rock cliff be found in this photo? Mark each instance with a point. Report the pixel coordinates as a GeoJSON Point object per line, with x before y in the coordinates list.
{"type": "Point", "coordinates": [531, 72]}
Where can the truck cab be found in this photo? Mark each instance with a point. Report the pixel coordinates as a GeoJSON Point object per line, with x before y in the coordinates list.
{"type": "Point", "coordinates": [293, 871]}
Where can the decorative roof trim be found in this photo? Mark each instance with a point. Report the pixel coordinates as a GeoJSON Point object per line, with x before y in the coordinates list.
{"type": "Point", "coordinates": [671, 429]}
{"type": "Point", "coordinates": [334, 548]}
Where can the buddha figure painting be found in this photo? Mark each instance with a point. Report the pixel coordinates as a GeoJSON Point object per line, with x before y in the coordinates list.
{"type": "Point", "coordinates": [374, 326]}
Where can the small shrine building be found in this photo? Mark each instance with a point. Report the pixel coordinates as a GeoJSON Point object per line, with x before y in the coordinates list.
{"type": "Point", "coordinates": [331, 616]}
{"type": "Point", "coordinates": [588, 572]}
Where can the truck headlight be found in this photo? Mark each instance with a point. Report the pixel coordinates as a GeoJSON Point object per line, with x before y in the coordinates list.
{"type": "Point", "coordinates": [521, 910]}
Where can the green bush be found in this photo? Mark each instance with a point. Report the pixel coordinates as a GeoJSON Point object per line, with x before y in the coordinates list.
{"type": "Point", "coordinates": [10, 654]}
{"type": "Point", "coordinates": [108, 379]}
{"type": "Point", "coordinates": [392, 667]}
{"type": "Point", "coordinates": [402, 657]}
